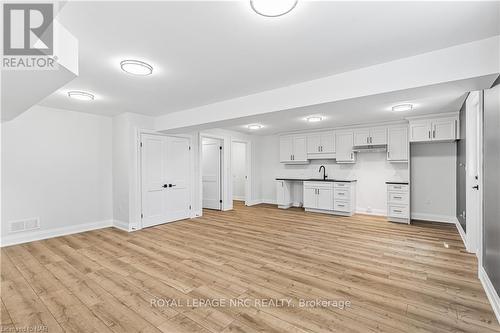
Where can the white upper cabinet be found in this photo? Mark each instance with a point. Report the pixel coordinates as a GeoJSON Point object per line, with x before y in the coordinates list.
{"type": "Point", "coordinates": [319, 144]}
{"type": "Point", "coordinates": [444, 129]}
{"type": "Point", "coordinates": [293, 149]}
{"type": "Point", "coordinates": [434, 129]}
{"type": "Point", "coordinates": [397, 144]}
{"type": "Point", "coordinates": [344, 142]}
{"type": "Point", "coordinates": [370, 136]}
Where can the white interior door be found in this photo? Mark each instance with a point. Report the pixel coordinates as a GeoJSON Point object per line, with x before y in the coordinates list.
{"type": "Point", "coordinates": [177, 168]}
{"type": "Point", "coordinates": [238, 170]}
{"type": "Point", "coordinates": [211, 173]}
{"type": "Point", "coordinates": [165, 179]}
{"type": "Point", "coordinates": [473, 173]}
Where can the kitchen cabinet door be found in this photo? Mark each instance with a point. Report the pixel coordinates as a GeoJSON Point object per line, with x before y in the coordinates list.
{"type": "Point", "coordinates": [328, 142]}
{"type": "Point", "coordinates": [313, 143]}
{"type": "Point", "coordinates": [420, 131]}
{"type": "Point", "coordinates": [325, 199]}
{"type": "Point", "coordinates": [378, 136]}
{"type": "Point", "coordinates": [299, 148]}
{"type": "Point", "coordinates": [397, 146]}
{"type": "Point", "coordinates": [362, 137]}
{"type": "Point", "coordinates": [343, 146]}
{"type": "Point", "coordinates": [444, 129]}
{"type": "Point", "coordinates": [286, 148]}
{"type": "Point", "coordinates": [310, 197]}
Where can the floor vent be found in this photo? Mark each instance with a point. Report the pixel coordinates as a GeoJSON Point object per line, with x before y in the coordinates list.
{"type": "Point", "coordinates": [25, 225]}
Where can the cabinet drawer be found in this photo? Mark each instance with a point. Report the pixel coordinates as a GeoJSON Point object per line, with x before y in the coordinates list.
{"type": "Point", "coordinates": [342, 193]}
{"type": "Point", "coordinates": [341, 185]}
{"type": "Point", "coordinates": [398, 198]}
{"type": "Point", "coordinates": [400, 211]}
{"type": "Point", "coordinates": [397, 187]}
{"type": "Point", "coordinates": [324, 185]}
{"type": "Point", "coordinates": [341, 206]}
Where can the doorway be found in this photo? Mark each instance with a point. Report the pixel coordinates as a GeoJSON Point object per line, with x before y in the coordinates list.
{"type": "Point", "coordinates": [211, 173]}
{"type": "Point", "coordinates": [165, 179]}
{"type": "Point", "coordinates": [239, 171]}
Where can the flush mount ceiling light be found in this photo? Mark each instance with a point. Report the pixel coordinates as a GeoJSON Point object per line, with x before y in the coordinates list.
{"type": "Point", "coordinates": [254, 126]}
{"type": "Point", "coordinates": [136, 67]}
{"type": "Point", "coordinates": [273, 8]}
{"type": "Point", "coordinates": [314, 119]}
{"type": "Point", "coordinates": [402, 107]}
{"type": "Point", "coordinates": [81, 95]}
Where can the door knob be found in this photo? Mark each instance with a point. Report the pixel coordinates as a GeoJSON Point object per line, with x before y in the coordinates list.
{"type": "Point", "coordinates": [165, 185]}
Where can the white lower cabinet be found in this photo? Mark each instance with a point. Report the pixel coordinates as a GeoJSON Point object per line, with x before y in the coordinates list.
{"type": "Point", "coordinates": [283, 194]}
{"type": "Point", "coordinates": [398, 202]}
{"type": "Point", "coordinates": [330, 197]}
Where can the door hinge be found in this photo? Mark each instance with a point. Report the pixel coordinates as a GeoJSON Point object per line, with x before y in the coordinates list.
{"type": "Point", "coordinates": [220, 201]}
{"type": "Point", "coordinates": [142, 216]}
{"type": "Point", "coordinates": [220, 147]}
{"type": "Point", "coordinates": [141, 144]}
{"type": "Point", "coordinates": [189, 207]}
{"type": "Point", "coordinates": [189, 147]}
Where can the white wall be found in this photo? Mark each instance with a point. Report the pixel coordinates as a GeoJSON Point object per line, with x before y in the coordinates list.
{"type": "Point", "coordinates": [433, 181]}
{"type": "Point", "coordinates": [126, 165]}
{"type": "Point", "coordinates": [238, 169]}
{"type": "Point", "coordinates": [56, 165]}
{"type": "Point", "coordinates": [371, 170]}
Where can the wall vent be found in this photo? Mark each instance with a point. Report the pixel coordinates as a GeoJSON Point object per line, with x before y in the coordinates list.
{"type": "Point", "coordinates": [24, 225]}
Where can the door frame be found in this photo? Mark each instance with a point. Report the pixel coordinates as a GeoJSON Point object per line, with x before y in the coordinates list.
{"type": "Point", "coordinates": [221, 170]}
{"type": "Point", "coordinates": [135, 204]}
{"type": "Point", "coordinates": [248, 170]}
{"type": "Point", "coordinates": [475, 230]}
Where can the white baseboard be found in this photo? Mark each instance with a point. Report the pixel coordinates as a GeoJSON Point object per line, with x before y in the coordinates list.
{"type": "Point", "coordinates": [269, 201]}
{"type": "Point", "coordinates": [122, 225]}
{"type": "Point", "coordinates": [433, 217]}
{"type": "Point", "coordinates": [25, 237]}
{"type": "Point", "coordinates": [376, 212]}
{"type": "Point", "coordinates": [490, 292]}
{"type": "Point", "coordinates": [461, 232]}
{"type": "Point", "coordinates": [238, 198]}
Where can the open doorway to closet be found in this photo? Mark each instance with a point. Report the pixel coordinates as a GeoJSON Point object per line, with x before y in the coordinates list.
{"type": "Point", "coordinates": [211, 172]}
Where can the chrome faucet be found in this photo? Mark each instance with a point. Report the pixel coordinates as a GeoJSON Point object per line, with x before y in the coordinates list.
{"type": "Point", "coordinates": [324, 171]}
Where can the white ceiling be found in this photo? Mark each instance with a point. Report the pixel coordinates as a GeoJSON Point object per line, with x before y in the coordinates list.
{"type": "Point", "coordinates": [441, 98]}
{"type": "Point", "coordinates": [203, 52]}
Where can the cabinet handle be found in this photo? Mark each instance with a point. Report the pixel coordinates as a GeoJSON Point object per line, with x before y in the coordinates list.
{"type": "Point", "coordinates": [371, 139]}
{"type": "Point", "coordinates": [429, 134]}
{"type": "Point", "coordinates": [367, 140]}
{"type": "Point", "coordinates": [321, 148]}
{"type": "Point", "coordinates": [434, 133]}
{"type": "Point", "coordinates": [388, 155]}
{"type": "Point", "coordinates": [340, 205]}
{"type": "Point", "coordinates": [318, 148]}
{"type": "Point", "coordinates": [397, 211]}
{"type": "Point", "coordinates": [352, 156]}
{"type": "Point", "coordinates": [398, 197]}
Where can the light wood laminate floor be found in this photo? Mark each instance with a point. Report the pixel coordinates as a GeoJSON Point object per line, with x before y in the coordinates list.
{"type": "Point", "coordinates": [397, 278]}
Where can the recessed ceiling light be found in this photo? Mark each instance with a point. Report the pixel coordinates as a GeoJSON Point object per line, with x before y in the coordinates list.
{"type": "Point", "coordinates": [273, 8]}
{"type": "Point", "coordinates": [254, 126]}
{"type": "Point", "coordinates": [402, 107]}
{"type": "Point", "coordinates": [136, 67]}
{"type": "Point", "coordinates": [314, 119]}
{"type": "Point", "coordinates": [81, 95]}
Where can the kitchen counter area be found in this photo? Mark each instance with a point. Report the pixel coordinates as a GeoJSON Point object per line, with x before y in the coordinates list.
{"type": "Point", "coordinates": [320, 195]}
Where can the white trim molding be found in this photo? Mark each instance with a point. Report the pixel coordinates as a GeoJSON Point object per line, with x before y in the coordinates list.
{"type": "Point", "coordinates": [25, 237]}
{"type": "Point", "coordinates": [122, 225]}
{"type": "Point", "coordinates": [490, 292]}
{"type": "Point", "coordinates": [461, 232]}
{"type": "Point", "coordinates": [433, 217]}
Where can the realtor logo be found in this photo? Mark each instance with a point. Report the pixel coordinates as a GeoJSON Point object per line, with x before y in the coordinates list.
{"type": "Point", "coordinates": [28, 29]}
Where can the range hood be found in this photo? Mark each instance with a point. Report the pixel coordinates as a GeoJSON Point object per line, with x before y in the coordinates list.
{"type": "Point", "coordinates": [370, 148]}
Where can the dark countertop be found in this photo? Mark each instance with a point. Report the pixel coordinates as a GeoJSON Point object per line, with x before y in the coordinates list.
{"type": "Point", "coordinates": [397, 183]}
{"type": "Point", "coordinates": [319, 180]}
